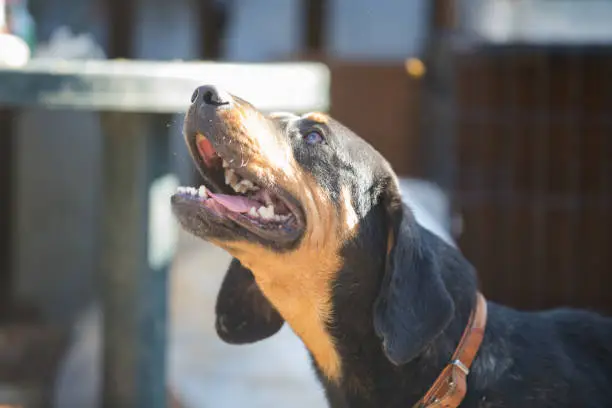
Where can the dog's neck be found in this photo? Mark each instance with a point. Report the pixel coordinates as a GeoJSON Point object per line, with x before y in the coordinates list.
{"type": "Point", "coordinates": [367, 371]}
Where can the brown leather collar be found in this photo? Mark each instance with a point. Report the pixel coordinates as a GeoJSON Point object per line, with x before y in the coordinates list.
{"type": "Point", "coordinates": [451, 385]}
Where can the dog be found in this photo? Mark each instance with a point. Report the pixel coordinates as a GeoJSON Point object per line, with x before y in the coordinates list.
{"type": "Point", "coordinates": [391, 315]}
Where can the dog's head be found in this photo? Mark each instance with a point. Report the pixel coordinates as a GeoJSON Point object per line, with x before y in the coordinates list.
{"type": "Point", "coordinates": [313, 215]}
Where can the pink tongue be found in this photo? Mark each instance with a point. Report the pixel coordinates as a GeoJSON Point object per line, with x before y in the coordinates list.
{"type": "Point", "coordinates": [237, 204]}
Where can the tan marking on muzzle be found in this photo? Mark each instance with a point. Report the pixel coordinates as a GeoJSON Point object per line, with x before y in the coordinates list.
{"type": "Point", "coordinates": [257, 145]}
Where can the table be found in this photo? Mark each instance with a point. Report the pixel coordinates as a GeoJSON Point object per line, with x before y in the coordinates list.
{"type": "Point", "coordinates": [135, 99]}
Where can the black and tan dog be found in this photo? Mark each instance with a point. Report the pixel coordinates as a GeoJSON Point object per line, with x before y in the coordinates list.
{"type": "Point", "coordinates": [321, 240]}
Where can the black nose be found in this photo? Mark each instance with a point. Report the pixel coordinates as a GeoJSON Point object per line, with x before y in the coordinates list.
{"type": "Point", "coordinates": [210, 95]}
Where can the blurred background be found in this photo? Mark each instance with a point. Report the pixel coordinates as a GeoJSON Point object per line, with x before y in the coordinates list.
{"type": "Point", "coordinates": [496, 114]}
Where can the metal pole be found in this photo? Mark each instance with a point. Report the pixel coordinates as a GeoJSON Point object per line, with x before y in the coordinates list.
{"type": "Point", "coordinates": [134, 280]}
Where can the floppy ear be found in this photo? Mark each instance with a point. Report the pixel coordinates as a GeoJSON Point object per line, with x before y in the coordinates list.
{"type": "Point", "coordinates": [244, 315]}
{"type": "Point", "coordinates": [413, 306]}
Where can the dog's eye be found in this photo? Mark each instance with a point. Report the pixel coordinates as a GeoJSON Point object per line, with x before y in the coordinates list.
{"type": "Point", "coordinates": [313, 137]}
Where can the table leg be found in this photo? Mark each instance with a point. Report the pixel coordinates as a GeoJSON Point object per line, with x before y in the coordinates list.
{"type": "Point", "coordinates": [7, 214]}
{"type": "Point", "coordinates": [136, 250]}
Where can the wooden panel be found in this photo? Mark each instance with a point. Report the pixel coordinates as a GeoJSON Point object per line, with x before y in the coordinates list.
{"type": "Point", "coordinates": [121, 32]}
{"type": "Point", "coordinates": [381, 104]}
{"type": "Point", "coordinates": [6, 210]}
{"type": "Point", "coordinates": [534, 183]}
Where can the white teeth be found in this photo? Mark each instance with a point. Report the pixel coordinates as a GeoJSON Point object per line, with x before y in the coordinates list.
{"type": "Point", "coordinates": [239, 186]}
{"type": "Point", "coordinates": [196, 192]}
{"type": "Point", "coordinates": [230, 177]}
{"type": "Point", "coordinates": [262, 211]}
{"type": "Point", "coordinates": [245, 185]}
{"type": "Point", "coordinates": [266, 213]}
{"type": "Point", "coordinates": [225, 164]}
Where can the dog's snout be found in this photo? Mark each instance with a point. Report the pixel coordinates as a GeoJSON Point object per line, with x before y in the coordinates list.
{"type": "Point", "coordinates": [209, 95]}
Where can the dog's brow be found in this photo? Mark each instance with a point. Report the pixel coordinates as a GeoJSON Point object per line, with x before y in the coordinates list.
{"type": "Point", "coordinates": [284, 116]}
{"type": "Point", "coordinates": [318, 117]}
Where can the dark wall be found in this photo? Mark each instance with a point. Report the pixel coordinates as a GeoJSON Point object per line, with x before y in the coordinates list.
{"type": "Point", "coordinates": [534, 174]}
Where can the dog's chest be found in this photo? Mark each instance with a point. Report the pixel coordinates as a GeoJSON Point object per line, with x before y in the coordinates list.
{"type": "Point", "coordinates": [305, 303]}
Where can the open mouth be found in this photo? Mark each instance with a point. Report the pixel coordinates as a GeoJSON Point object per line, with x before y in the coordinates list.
{"type": "Point", "coordinates": [236, 195]}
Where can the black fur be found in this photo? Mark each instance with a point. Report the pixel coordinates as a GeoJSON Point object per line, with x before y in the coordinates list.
{"type": "Point", "coordinates": [413, 305]}
{"type": "Point", "coordinates": [243, 314]}
{"type": "Point", "coordinates": [399, 311]}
